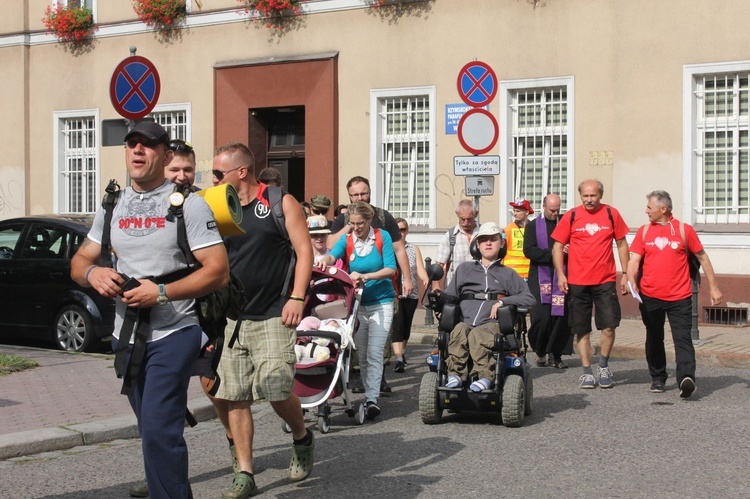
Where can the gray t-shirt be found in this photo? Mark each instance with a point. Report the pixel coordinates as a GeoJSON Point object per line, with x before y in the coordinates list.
{"type": "Point", "coordinates": [145, 245]}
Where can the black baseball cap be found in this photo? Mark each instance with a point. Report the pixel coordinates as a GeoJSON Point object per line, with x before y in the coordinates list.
{"type": "Point", "coordinates": [151, 130]}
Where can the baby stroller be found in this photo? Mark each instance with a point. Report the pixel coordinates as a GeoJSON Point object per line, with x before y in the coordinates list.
{"type": "Point", "coordinates": [331, 303]}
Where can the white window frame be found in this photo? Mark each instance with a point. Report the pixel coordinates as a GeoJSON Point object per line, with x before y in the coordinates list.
{"type": "Point", "coordinates": [93, 4]}
{"type": "Point", "coordinates": [58, 154]}
{"type": "Point", "coordinates": [377, 177]}
{"type": "Point", "coordinates": [506, 91]}
{"type": "Point", "coordinates": [692, 172]}
{"type": "Point", "coordinates": [177, 107]}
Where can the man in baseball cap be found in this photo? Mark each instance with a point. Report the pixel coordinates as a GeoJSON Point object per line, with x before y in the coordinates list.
{"type": "Point", "coordinates": [151, 130]}
{"type": "Point", "coordinates": [320, 206]}
{"type": "Point", "coordinates": [514, 233]}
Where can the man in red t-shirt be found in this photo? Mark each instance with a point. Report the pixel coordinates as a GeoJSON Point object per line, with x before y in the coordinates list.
{"type": "Point", "coordinates": [666, 289]}
{"type": "Point", "coordinates": [586, 233]}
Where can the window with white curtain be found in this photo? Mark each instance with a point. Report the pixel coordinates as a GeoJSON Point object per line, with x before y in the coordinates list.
{"type": "Point", "coordinates": [721, 147]}
{"type": "Point", "coordinates": [405, 142]}
{"type": "Point", "coordinates": [539, 148]}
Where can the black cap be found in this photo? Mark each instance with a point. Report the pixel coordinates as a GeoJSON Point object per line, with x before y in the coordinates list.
{"type": "Point", "coordinates": [151, 130]}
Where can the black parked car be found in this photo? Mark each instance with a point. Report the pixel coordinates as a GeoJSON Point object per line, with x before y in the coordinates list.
{"type": "Point", "coordinates": [37, 295]}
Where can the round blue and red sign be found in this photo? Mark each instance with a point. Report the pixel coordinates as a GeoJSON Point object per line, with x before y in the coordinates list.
{"type": "Point", "coordinates": [134, 88]}
{"type": "Point", "coordinates": [477, 84]}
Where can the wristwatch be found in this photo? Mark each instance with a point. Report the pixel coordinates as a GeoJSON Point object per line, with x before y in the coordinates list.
{"type": "Point", "coordinates": [162, 299]}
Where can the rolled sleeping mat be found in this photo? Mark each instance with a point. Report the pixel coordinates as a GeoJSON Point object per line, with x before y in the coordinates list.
{"type": "Point", "coordinates": [225, 203]}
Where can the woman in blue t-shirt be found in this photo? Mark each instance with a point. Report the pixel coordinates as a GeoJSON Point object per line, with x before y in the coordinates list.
{"type": "Point", "coordinates": [371, 262]}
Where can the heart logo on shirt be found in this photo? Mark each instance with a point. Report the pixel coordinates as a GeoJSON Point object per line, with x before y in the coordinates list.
{"type": "Point", "coordinates": [661, 242]}
{"type": "Point", "coordinates": [592, 229]}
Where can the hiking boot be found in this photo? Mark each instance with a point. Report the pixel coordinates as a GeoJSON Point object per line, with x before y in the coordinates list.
{"type": "Point", "coordinates": [399, 367]}
{"type": "Point", "coordinates": [605, 377]}
{"type": "Point", "coordinates": [687, 387]}
{"type": "Point", "coordinates": [384, 386]}
{"type": "Point", "coordinates": [371, 409]}
{"type": "Point", "coordinates": [587, 382]}
{"type": "Point", "coordinates": [139, 490]}
{"type": "Point", "coordinates": [243, 485]}
{"type": "Point", "coordinates": [657, 386]}
{"type": "Point", "coordinates": [303, 457]}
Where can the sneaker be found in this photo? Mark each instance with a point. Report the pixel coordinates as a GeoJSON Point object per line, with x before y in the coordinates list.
{"type": "Point", "coordinates": [559, 364]}
{"type": "Point", "coordinates": [587, 381]}
{"type": "Point", "coordinates": [657, 386]}
{"type": "Point", "coordinates": [399, 367]}
{"type": "Point", "coordinates": [687, 387]}
{"type": "Point", "coordinates": [384, 386]}
{"type": "Point", "coordinates": [355, 383]}
{"type": "Point", "coordinates": [371, 409]}
{"type": "Point", "coordinates": [541, 361]}
{"type": "Point", "coordinates": [139, 490]}
{"type": "Point", "coordinates": [605, 377]}
{"type": "Point", "coordinates": [404, 357]}
{"type": "Point", "coordinates": [243, 485]}
{"type": "Point", "coordinates": [303, 457]}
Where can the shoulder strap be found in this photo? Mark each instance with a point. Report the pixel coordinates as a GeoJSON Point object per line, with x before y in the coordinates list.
{"type": "Point", "coordinates": [177, 214]}
{"type": "Point", "coordinates": [381, 216]}
{"type": "Point", "coordinates": [275, 199]}
{"type": "Point", "coordinates": [349, 249]}
{"type": "Point", "coordinates": [108, 203]}
{"type": "Point", "coordinates": [572, 218]}
{"type": "Point", "coordinates": [378, 241]}
{"type": "Point", "coordinates": [682, 233]}
{"type": "Point", "coordinates": [611, 219]}
{"type": "Point", "coordinates": [643, 234]}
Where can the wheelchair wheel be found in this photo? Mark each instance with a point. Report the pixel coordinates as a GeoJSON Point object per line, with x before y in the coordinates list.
{"type": "Point", "coordinates": [429, 408]}
{"type": "Point", "coordinates": [285, 427]}
{"type": "Point", "coordinates": [529, 399]}
{"type": "Point", "coordinates": [513, 401]}
{"type": "Point", "coordinates": [359, 416]}
{"type": "Point", "coordinates": [324, 424]}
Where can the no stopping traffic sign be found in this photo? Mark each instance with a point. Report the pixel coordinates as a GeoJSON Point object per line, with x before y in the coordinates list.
{"type": "Point", "coordinates": [134, 87]}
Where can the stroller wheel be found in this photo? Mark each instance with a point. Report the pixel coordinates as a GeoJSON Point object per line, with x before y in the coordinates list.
{"type": "Point", "coordinates": [285, 427]}
{"type": "Point", "coordinates": [324, 424]}
{"type": "Point", "coordinates": [359, 418]}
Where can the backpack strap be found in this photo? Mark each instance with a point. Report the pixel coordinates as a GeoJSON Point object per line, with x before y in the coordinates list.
{"type": "Point", "coordinates": [275, 199]}
{"type": "Point", "coordinates": [108, 203]}
{"type": "Point", "coordinates": [609, 214]}
{"type": "Point", "coordinates": [452, 243]}
{"type": "Point", "coordinates": [176, 214]}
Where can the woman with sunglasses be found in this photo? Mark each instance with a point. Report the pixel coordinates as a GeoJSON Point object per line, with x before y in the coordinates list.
{"type": "Point", "coordinates": [407, 305]}
{"type": "Point", "coordinates": [369, 255]}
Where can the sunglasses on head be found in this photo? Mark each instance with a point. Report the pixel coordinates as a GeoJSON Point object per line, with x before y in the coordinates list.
{"type": "Point", "coordinates": [181, 146]}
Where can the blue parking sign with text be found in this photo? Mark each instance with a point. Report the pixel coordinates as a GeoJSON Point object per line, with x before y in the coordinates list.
{"type": "Point", "coordinates": [453, 114]}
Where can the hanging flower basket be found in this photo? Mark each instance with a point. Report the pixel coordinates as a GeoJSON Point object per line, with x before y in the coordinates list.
{"type": "Point", "coordinates": [273, 11]}
{"type": "Point", "coordinates": [161, 15]}
{"type": "Point", "coordinates": [71, 24]}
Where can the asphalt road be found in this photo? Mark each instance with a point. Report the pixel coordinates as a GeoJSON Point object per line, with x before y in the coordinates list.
{"type": "Point", "coordinates": [623, 442]}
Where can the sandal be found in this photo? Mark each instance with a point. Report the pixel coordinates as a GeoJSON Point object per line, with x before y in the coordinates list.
{"type": "Point", "coordinates": [453, 381]}
{"type": "Point", "coordinates": [480, 385]}
{"type": "Point", "coordinates": [302, 460]}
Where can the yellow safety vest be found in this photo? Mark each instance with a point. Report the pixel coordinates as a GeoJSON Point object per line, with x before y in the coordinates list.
{"type": "Point", "coordinates": [515, 258]}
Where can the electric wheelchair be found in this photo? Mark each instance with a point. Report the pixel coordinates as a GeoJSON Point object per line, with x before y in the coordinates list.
{"type": "Point", "coordinates": [512, 390]}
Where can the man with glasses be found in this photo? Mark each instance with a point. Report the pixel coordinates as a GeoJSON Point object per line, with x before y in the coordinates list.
{"type": "Point", "coordinates": [157, 336]}
{"type": "Point", "coordinates": [454, 248]}
{"type": "Point", "coordinates": [259, 362]}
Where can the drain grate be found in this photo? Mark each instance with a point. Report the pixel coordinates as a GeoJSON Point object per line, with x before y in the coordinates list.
{"type": "Point", "coordinates": [733, 316]}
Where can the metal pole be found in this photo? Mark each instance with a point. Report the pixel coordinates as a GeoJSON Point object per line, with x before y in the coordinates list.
{"type": "Point", "coordinates": [429, 318]}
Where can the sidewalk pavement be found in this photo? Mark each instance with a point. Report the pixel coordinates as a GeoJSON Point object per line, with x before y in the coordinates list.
{"type": "Point", "coordinates": [74, 399]}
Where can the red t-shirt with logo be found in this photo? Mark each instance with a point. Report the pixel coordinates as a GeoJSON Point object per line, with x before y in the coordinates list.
{"type": "Point", "coordinates": [666, 275]}
{"type": "Point", "coordinates": [591, 260]}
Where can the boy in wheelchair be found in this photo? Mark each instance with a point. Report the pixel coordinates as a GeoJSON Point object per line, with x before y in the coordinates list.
{"type": "Point", "coordinates": [481, 287]}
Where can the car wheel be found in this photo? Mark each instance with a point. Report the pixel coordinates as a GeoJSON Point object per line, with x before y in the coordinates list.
{"type": "Point", "coordinates": [73, 329]}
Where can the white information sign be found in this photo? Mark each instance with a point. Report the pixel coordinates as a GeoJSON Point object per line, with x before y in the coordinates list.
{"type": "Point", "coordinates": [476, 165]}
{"type": "Point", "coordinates": [480, 186]}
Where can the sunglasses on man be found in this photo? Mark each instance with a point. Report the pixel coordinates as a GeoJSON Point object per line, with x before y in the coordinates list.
{"type": "Point", "coordinates": [221, 174]}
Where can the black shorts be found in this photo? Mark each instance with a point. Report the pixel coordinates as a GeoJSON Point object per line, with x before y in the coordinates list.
{"type": "Point", "coordinates": [401, 326]}
{"type": "Point", "coordinates": [602, 298]}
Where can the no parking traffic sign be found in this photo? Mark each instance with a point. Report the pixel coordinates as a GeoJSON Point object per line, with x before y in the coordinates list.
{"type": "Point", "coordinates": [134, 88]}
{"type": "Point", "coordinates": [477, 84]}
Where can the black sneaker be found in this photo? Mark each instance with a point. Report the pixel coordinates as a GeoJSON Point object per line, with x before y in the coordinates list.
{"type": "Point", "coordinates": [356, 385]}
{"type": "Point", "coordinates": [687, 387]}
{"type": "Point", "coordinates": [404, 357]}
{"type": "Point", "coordinates": [371, 410]}
{"type": "Point", "coordinates": [384, 387]}
{"type": "Point", "coordinates": [399, 367]}
{"type": "Point", "coordinates": [657, 387]}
